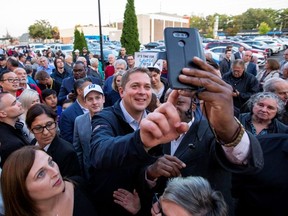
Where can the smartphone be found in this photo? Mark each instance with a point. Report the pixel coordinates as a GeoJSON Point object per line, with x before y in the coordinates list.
{"type": "Point", "coordinates": [182, 44]}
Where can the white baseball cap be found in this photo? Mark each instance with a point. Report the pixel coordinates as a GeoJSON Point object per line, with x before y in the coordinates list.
{"type": "Point", "coordinates": [93, 87]}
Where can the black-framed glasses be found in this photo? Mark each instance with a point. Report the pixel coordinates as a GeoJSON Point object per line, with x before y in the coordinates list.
{"type": "Point", "coordinates": [11, 80]}
{"type": "Point", "coordinates": [39, 129]}
{"type": "Point", "coordinates": [156, 205]}
{"type": "Point", "coordinates": [78, 71]}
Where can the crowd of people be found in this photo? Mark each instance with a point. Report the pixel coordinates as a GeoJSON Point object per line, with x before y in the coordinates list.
{"type": "Point", "coordinates": [79, 140]}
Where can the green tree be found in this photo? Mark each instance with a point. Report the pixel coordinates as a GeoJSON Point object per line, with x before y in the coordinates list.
{"type": "Point", "coordinates": [77, 40]}
{"type": "Point", "coordinates": [40, 30]}
{"type": "Point", "coordinates": [83, 41]}
{"type": "Point", "coordinates": [264, 28]}
{"type": "Point", "coordinates": [130, 35]}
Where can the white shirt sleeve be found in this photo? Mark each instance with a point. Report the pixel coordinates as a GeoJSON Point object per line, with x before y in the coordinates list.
{"type": "Point", "coordinates": [239, 153]}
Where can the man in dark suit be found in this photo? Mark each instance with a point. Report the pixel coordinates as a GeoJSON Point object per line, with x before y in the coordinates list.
{"type": "Point", "coordinates": [202, 155]}
{"type": "Point", "coordinates": [11, 137]}
{"type": "Point", "coordinates": [78, 108]}
{"type": "Point", "coordinates": [79, 71]}
{"type": "Point", "coordinates": [239, 54]}
{"type": "Point", "coordinates": [250, 67]}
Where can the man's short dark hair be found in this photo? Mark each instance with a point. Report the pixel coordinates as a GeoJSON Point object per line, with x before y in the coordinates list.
{"type": "Point", "coordinates": [47, 92]}
{"type": "Point", "coordinates": [42, 75]}
{"type": "Point", "coordinates": [125, 77]}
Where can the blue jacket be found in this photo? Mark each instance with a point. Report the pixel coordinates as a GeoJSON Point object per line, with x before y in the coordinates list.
{"type": "Point", "coordinates": [67, 119]}
{"type": "Point", "coordinates": [117, 156]}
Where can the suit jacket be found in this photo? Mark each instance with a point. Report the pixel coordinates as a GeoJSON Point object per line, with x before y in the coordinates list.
{"type": "Point", "coordinates": [65, 156]}
{"type": "Point", "coordinates": [251, 68]}
{"type": "Point", "coordinates": [265, 193]}
{"type": "Point", "coordinates": [204, 157]}
{"type": "Point", "coordinates": [81, 141]}
{"type": "Point", "coordinates": [67, 119]}
{"type": "Point", "coordinates": [11, 139]}
{"type": "Point", "coordinates": [237, 55]}
{"type": "Point", "coordinates": [68, 85]}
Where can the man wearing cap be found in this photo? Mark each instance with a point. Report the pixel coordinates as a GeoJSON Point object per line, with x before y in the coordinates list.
{"type": "Point", "coordinates": [94, 100]}
{"type": "Point", "coordinates": [76, 55]}
{"type": "Point", "coordinates": [73, 111]}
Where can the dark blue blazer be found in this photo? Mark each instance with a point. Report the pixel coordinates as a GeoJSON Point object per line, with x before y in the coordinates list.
{"type": "Point", "coordinates": [68, 85]}
{"type": "Point", "coordinates": [251, 68]}
{"type": "Point", "coordinates": [67, 120]}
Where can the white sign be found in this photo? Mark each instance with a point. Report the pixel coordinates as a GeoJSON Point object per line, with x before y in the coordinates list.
{"type": "Point", "coordinates": [145, 59]}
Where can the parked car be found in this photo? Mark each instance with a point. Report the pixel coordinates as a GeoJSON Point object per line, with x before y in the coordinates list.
{"type": "Point", "coordinates": [66, 49]}
{"type": "Point", "coordinates": [221, 49]}
{"type": "Point", "coordinates": [235, 44]}
{"type": "Point", "coordinates": [106, 52]}
{"type": "Point", "coordinates": [38, 47]}
{"type": "Point", "coordinates": [262, 45]}
{"type": "Point", "coordinates": [151, 45]}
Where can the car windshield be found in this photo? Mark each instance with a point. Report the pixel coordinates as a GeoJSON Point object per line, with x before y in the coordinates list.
{"type": "Point", "coordinates": [67, 47]}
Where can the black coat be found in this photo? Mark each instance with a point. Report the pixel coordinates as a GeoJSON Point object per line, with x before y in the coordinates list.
{"type": "Point", "coordinates": [204, 157]}
{"type": "Point", "coordinates": [246, 85]}
{"type": "Point", "coordinates": [265, 193]}
{"type": "Point", "coordinates": [11, 139]}
{"type": "Point", "coordinates": [65, 156]}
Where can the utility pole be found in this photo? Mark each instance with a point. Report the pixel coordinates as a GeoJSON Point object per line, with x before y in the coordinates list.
{"type": "Point", "coordinates": [100, 34]}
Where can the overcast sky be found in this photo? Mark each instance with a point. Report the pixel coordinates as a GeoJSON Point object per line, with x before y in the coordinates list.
{"type": "Point", "coordinates": [17, 15]}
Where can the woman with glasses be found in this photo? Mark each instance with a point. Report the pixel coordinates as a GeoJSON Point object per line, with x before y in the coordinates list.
{"type": "Point", "coordinates": [32, 185]}
{"type": "Point", "coordinates": [189, 196]}
{"type": "Point", "coordinates": [42, 122]}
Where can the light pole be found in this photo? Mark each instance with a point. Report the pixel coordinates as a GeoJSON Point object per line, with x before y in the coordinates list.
{"type": "Point", "coordinates": [100, 34]}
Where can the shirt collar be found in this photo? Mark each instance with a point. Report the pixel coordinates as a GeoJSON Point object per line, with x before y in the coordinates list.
{"type": "Point", "coordinates": [129, 119]}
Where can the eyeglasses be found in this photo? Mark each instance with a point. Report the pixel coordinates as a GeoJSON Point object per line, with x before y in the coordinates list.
{"type": "Point", "coordinates": [11, 80]}
{"type": "Point", "coordinates": [156, 205]}
{"type": "Point", "coordinates": [78, 71]}
{"type": "Point", "coordinates": [39, 129]}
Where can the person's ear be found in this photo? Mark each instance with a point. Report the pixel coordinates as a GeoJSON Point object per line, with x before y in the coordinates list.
{"type": "Point", "coordinates": [121, 91]}
{"type": "Point", "coordinates": [3, 114]}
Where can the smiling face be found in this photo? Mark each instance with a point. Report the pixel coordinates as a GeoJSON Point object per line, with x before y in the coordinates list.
{"type": "Point", "coordinates": [10, 82]}
{"type": "Point", "coordinates": [44, 180]}
{"type": "Point", "coordinates": [136, 95]}
{"type": "Point", "coordinates": [94, 102]}
{"type": "Point", "coordinates": [46, 137]}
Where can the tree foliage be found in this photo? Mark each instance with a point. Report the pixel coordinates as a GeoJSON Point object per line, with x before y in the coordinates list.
{"type": "Point", "coordinates": [42, 29]}
{"type": "Point", "coordinates": [264, 28]}
{"type": "Point", "coordinates": [79, 40]}
{"type": "Point", "coordinates": [130, 35]}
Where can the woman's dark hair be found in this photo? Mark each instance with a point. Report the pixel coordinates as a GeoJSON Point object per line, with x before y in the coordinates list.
{"type": "Point", "coordinates": [17, 200]}
{"type": "Point", "coordinates": [37, 110]}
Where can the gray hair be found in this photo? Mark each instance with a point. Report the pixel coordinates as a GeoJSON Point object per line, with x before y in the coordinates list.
{"type": "Point", "coordinates": [120, 62]}
{"type": "Point", "coordinates": [270, 84]}
{"type": "Point", "coordinates": [266, 95]}
{"type": "Point", "coordinates": [27, 97]}
{"type": "Point", "coordinates": [196, 196]}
